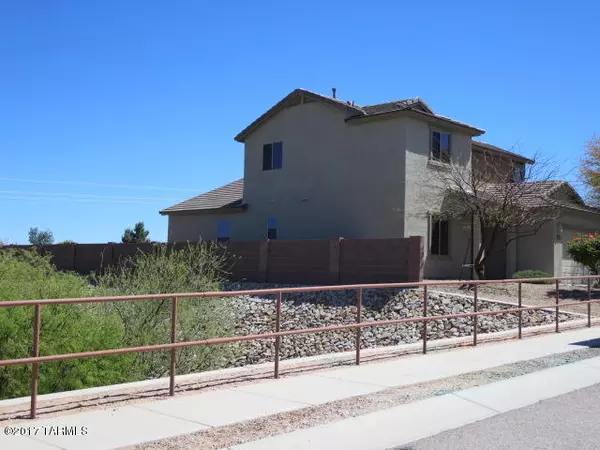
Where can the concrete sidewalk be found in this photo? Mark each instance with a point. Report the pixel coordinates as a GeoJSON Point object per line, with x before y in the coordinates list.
{"type": "Point", "coordinates": [395, 427]}
{"type": "Point", "coordinates": [134, 424]}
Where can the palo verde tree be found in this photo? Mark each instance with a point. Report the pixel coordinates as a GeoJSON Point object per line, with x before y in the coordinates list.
{"type": "Point", "coordinates": [136, 235]}
{"type": "Point", "coordinates": [39, 237]}
{"type": "Point", "coordinates": [501, 197]}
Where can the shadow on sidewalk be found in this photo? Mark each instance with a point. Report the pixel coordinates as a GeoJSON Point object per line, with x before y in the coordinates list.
{"type": "Point", "coordinates": [591, 343]}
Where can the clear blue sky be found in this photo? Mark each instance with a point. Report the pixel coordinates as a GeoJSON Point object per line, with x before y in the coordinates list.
{"type": "Point", "coordinates": [151, 93]}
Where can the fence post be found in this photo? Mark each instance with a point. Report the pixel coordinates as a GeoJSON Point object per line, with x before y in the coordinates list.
{"type": "Point", "coordinates": [173, 351]}
{"type": "Point", "coordinates": [475, 317]}
{"type": "Point", "coordinates": [520, 314]}
{"type": "Point", "coordinates": [589, 305]}
{"type": "Point", "coordinates": [37, 321]}
{"type": "Point", "coordinates": [358, 319]}
{"type": "Point", "coordinates": [425, 301]}
{"type": "Point", "coordinates": [334, 260]}
{"type": "Point", "coordinates": [557, 300]}
{"type": "Point", "coordinates": [277, 329]}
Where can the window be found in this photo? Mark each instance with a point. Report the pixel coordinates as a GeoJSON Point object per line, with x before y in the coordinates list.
{"type": "Point", "coordinates": [273, 156]}
{"type": "Point", "coordinates": [272, 228]}
{"type": "Point", "coordinates": [223, 231]}
{"type": "Point", "coordinates": [438, 244]}
{"type": "Point", "coordinates": [440, 146]}
{"type": "Point", "coordinates": [518, 175]}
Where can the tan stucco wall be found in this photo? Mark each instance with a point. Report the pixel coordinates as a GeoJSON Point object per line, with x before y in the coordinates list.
{"type": "Point", "coordinates": [337, 179]}
{"type": "Point", "coordinates": [537, 252]}
{"type": "Point", "coordinates": [195, 227]}
{"type": "Point", "coordinates": [360, 179]}
{"type": "Point", "coordinates": [423, 197]}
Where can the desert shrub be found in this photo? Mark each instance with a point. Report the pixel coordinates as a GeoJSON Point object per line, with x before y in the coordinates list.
{"type": "Point", "coordinates": [74, 328]}
{"type": "Point", "coordinates": [196, 268]}
{"type": "Point", "coordinates": [533, 274]}
{"type": "Point", "coordinates": [26, 275]}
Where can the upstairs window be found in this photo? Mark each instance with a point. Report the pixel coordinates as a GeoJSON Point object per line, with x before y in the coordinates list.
{"type": "Point", "coordinates": [273, 156]}
{"type": "Point", "coordinates": [440, 237]}
{"type": "Point", "coordinates": [440, 146]}
{"type": "Point", "coordinates": [518, 175]}
{"type": "Point", "coordinates": [223, 231]}
{"type": "Point", "coordinates": [272, 228]}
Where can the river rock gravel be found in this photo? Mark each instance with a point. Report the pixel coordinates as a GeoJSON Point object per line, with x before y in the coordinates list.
{"type": "Point", "coordinates": [255, 314]}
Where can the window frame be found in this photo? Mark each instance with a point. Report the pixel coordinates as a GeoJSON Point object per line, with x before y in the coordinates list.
{"type": "Point", "coordinates": [433, 219]}
{"type": "Point", "coordinates": [440, 159]}
{"type": "Point", "coordinates": [272, 156]}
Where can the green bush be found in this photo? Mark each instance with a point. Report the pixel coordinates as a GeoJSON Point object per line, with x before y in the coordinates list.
{"type": "Point", "coordinates": [585, 249]}
{"type": "Point", "coordinates": [74, 328]}
{"type": "Point", "coordinates": [26, 275]}
{"type": "Point", "coordinates": [196, 268]}
{"type": "Point", "coordinates": [533, 274]}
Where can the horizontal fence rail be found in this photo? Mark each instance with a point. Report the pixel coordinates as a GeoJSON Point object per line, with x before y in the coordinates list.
{"type": "Point", "coordinates": [277, 335]}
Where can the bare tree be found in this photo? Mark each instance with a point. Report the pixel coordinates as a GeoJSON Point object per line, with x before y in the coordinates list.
{"type": "Point", "coordinates": [590, 170]}
{"type": "Point", "coordinates": [506, 199]}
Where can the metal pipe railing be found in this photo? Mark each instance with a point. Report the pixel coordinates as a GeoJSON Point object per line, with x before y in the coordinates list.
{"type": "Point", "coordinates": [277, 335]}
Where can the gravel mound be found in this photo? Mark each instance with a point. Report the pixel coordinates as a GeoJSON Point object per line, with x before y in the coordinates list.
{"type": "Point", "coordinates": [255, 314]}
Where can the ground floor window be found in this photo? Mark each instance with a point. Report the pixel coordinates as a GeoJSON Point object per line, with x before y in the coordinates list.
{"type": "Point", "coordinates": [223, 231]}
{"type": "Point", "coordinates": [272, 228]}
{"type": "Point", "coordinates": [440, 236]}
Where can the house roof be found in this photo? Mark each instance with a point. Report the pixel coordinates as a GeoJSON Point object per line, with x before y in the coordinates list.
{"type": "Point", "coordinates": [228, 197]}
{"type": "Point", "coordinates": [397, 105]}
{"type": "Point", "coordinates": [412, 106]}
{"type": "Point", "coordinates": [485, 147]}
{"type": "Point", "coordinates": [540, 194]}
{"type": "Point", "coordinates": [293, 98]}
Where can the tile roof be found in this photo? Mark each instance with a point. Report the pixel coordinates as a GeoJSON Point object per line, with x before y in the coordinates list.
{"type": "Point", "coordinates": [540, 194]}
{"type": "Point", "coordinates": [398, 105]}
{"type": "Point", "coordinates": [416, 106]}
{"type": "Point", "coordinates": [478, 145]}
{"type": "Point", "coordinates": [534, 194]}
{"type": "Point", "coordinates": [222, 198]}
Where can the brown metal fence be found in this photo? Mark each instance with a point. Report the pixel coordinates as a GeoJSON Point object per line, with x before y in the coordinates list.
{"type": "Point", "coordinates": [277, 334]}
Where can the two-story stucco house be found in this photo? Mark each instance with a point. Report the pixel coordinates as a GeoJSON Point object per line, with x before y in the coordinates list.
{"type": "Point", "coordinates": [316, 167]}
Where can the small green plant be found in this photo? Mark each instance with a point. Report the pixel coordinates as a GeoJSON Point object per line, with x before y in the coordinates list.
{"type": "Point", "coordinates": [533, 274]}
